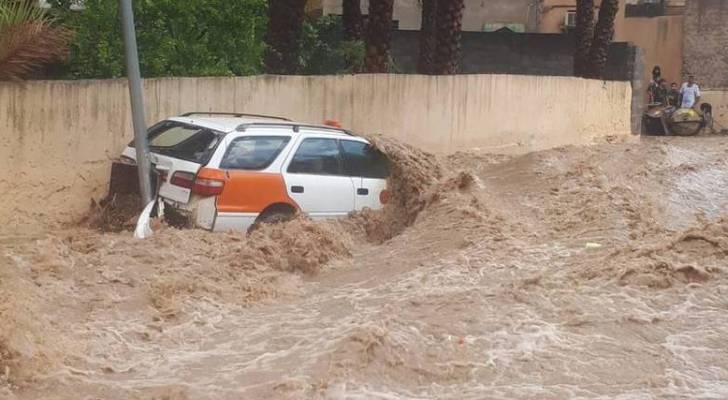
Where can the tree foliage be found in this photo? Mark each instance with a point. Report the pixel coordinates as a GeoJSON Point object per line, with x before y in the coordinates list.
{"type": "Point", "coordinates": [379, 35]}
{"type": "Point", "coordinates": [325, 49]}
{"type": "Point", "coordinates": [584, 34]}
{"type": "Point", "coordinates": [592, 41]}
{"type": "Point", "coordinates": [175, 37]}
{"type": "Point", "coordinates": [352, 19]}
{"type": "Point", "coordinates": [428, 37]}
{"type": "Point", "coordinates": [603, 35]}
{"type": "Point", "coordinates": [285, 21]}
{"type": "Point", "coordinates": [449, 25]}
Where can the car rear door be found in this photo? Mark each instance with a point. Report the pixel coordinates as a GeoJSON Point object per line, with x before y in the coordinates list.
{"type": "Point", "coordinates": [252, 163]}
{"type": "Point", "coordinates": [368, 169]}
{"type": "Point", "coordinates": [315, 178]}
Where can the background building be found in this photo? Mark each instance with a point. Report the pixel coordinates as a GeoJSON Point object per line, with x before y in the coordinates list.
{"type": "Point", "coordinates": [480, 15]}
{"type": "Point", "coordinates": [656, 26]}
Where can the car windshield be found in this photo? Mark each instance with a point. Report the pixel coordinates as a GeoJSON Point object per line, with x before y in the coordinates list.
{"type": "Point", "coordinates": [183, 141]}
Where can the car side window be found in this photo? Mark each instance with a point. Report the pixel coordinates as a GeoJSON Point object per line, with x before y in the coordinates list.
{"type": "Point", "coordinates": [253, 152]}
{"type": "Point", "coordinates": [317, 156]}
{"type": "Point", "coordinates": [362, 159]}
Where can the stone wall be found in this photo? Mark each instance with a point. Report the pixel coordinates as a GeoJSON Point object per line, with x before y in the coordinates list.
{"type": "Point", "coordinates": [719, 100]}
{"type": "Point", "coordinates": [706, 42]}
{"type": "Point", "coordinates": [514, 53]}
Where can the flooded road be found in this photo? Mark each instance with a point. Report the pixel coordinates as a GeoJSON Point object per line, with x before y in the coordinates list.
{"type": "Point", "coordinates": [582, 272]}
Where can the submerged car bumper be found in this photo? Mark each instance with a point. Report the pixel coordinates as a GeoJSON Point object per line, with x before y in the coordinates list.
{"type": "Point", "coordinates": [199, 212]}
{"type": "Point", "coordinates": [124, 179]}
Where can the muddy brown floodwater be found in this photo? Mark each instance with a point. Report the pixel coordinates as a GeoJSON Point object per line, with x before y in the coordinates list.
{"type": "Point", "coordinates": [581, 272]}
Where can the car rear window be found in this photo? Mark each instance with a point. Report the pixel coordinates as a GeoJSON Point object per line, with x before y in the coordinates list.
{"type": "Point", "coordinates": [174, 136]}
{"type": "Point", "coordinates": [183, 141]}
{"type": "Point", "coordinates": [253, 152]}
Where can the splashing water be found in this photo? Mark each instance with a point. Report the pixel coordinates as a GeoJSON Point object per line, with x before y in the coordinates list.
{"type": "Point", "coordinates": [476, 282]}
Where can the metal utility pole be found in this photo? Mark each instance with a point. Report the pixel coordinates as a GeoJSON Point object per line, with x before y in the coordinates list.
{"type": "Point", "coordinates": [137, 100]}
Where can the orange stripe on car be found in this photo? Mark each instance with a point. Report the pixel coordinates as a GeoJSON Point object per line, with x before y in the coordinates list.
{"type": "Point", "coordinates": [252, 192]}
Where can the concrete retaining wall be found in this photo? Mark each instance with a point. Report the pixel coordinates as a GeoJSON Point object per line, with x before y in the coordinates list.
{"type": "Point", "coordinates": [57, 137]}
{"type": "Point", "coordinates": [719, 100]}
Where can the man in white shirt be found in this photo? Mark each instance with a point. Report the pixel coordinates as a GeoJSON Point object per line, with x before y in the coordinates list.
{"type": "Point", "coordinates": [690, 93]}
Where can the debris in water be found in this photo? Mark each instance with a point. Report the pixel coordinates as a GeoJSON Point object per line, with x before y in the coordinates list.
{"type": "Point", "coordinates": [114, 213]}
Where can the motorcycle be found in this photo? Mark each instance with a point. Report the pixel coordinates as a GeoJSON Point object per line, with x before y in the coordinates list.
{"type": "Point", "coordinates": [668, 120]}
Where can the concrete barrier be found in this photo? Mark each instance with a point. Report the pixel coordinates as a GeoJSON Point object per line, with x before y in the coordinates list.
{"type": "Point", "coordinates": [719, 100]}
{"type": "Point", "coordinates": [58, 137]}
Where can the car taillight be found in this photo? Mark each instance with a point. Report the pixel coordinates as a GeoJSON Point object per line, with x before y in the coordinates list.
{"type": "Point", "coordinates": [208, 187]}
{"type": "Point", "coordinates": [384, 196]}
{"type": "Point", "coordinates": [199, 185]}
{"type": "Point", "coordinates": [183, 179]}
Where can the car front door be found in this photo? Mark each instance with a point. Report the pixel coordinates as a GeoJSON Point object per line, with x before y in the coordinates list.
{"type": "Point", "coordinates": [316, 181]}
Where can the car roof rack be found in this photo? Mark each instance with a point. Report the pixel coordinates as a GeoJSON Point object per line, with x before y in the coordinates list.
{"type": "Point", "coordinates": [296, 127]}
{"type": "Point", "coordinates": [232, 114]}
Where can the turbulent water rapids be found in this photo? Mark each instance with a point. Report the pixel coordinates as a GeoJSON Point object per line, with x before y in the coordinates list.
{"type": "Point", "coordinates": [576, 273]}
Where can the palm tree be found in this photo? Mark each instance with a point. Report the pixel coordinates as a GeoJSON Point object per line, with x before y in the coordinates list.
{"type": "Point", "coordinates": [285, 19]}
{"type": "Point", "coordinates": [352, 19]}
{"type": "Point", "coordinates": [584, 33]}
{"type": "Point", "coordinates": [29, 39]}
{"type": "Point", "coordinates": [449, 31]}
{"type": "Point", "coordinates": [603, 34]}
{"type": "Point", "coordinates": [379, 35]}
{"type": "Point", "coordinates": [428, 37]}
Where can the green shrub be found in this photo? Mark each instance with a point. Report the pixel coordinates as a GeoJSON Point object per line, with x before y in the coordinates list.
{"type": "Point", "coordinates": [175, 37]}
{"type": "Point", "coordinates": [195, 38]}
{"type": "Point", "coordinates": [325, 51]}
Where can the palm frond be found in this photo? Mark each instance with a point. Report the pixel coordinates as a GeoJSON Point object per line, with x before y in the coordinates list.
{"type": "Point", "coordinates": [29, 39]}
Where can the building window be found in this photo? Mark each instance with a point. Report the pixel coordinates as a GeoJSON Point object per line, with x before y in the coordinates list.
{"type": "Point", "coordinates": [504, 27]}
{"type": "Point", "coordinates": [570, 20]}
{"type": "Point", "coordinates": [646, 9]}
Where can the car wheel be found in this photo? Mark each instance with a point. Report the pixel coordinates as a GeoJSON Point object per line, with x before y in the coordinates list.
{"type": "Point", "coordinates": [271, 218]}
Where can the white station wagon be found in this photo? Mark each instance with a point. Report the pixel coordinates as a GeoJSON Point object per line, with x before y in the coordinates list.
{"type": "Point", "coordinates": [223, 171]}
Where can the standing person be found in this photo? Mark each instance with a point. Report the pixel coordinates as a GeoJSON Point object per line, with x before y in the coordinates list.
{"type": "Point", "coordinates": [660, 93]}
{"type": "Point", "coordinates": [654, 83]}
{"type": "Point", "coordinates": [656, 73]}
{"type": "Point", "coordinates": [673, 96]}
{"type": "Point", "coordinates": [690, 93]}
